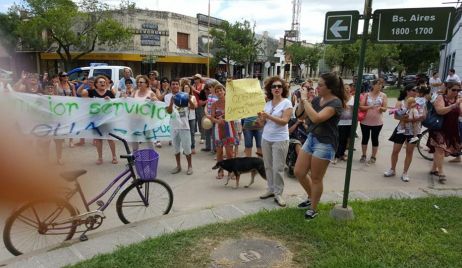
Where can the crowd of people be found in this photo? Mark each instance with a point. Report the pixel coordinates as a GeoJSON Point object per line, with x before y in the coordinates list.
{"type": "Point", "coordinates": [312, 124]}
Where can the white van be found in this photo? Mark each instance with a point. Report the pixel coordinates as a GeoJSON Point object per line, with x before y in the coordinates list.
{"type": "Point", "coordinates": [115, 73]}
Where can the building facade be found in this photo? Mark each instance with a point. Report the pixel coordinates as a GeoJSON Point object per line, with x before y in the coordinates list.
{"type": "Point", "coordinates": [451, 53]}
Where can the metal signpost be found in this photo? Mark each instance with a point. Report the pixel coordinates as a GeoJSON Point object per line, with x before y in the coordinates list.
{"type": "Point", "coordinates": [341, 27]}
{"type": "Point", "coordinates": [413, 25]}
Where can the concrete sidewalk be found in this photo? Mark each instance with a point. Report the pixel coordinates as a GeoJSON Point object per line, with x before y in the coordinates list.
{"type": "Point", "coordinates": [74, 251]}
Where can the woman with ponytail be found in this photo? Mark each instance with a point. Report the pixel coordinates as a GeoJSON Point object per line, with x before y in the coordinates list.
{"type": "Point", "coordinates": [322, 115]}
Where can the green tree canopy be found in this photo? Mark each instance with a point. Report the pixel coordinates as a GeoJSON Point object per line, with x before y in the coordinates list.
{"type": "Point", "coordinates": [70, 27]}
{"type": "Point", "coordinates": [307, 55]}
{"type": "Point", "coordinates": [234, 42]}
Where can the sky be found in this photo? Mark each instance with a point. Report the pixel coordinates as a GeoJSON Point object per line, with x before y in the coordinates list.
{"type": "Point", "coordinates": [273, 16]}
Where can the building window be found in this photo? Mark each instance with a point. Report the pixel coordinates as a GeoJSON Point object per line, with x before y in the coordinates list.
{"type": "Point", "coordinates": [182, 40]}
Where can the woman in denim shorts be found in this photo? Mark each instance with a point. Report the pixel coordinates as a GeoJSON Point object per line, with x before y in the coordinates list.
{"type": "Point", "coordinates": [322, 115]}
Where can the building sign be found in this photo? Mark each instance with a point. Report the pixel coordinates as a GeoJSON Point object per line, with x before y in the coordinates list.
{"type": "Point", "coordinates": [150, 34]}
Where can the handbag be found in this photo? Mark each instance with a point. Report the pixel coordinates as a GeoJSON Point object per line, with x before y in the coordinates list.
{"type": "Point", "coordinates": [362, 114]}
{"type": "Point", "coordinates": [433, 121]}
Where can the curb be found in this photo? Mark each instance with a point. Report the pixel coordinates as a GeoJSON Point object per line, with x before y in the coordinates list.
{"type": "Point", "coordinates": [74, 251]}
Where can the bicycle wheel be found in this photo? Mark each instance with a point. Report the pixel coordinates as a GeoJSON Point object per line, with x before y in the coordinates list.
{"type": "Point", "coordinates": [32, 227]}
{"type": "Point", "coordinates": [422, 146]}
{"type": "Point", "coordinates": [142, 200]}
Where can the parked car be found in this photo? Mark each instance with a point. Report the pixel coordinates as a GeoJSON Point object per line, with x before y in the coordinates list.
{"type": "Point", "coordinates": [390, 79]}
{"type": "Point", "coordinates": [409, 79]}
{"type": "Point", "coordinates": [6, 76]}
{"type": "Point", "coordinates": [115, 73]}
{"type": "Point", "coordinates": [369, 77]}
{"type": "Point", "coordinates": [414, 79]}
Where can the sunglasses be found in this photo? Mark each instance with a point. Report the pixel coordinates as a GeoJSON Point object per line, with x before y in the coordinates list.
{"type": "Point", "coordinates": [456, 90]}
{"type": "Point", "coordinates": [141, 82]}
{"type": "Point", "coordinates": [276, 86]}
{"type": "Point", "coordinates": [63, 76]}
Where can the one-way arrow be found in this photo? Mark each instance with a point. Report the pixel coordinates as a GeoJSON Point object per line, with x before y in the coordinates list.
{"type": "Point", "coordinates": [336, 28]}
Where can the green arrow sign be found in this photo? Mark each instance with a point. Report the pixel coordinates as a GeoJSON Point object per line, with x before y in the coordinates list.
{"type": "Point", "coordinates": [413, 25]}
{"type": "Point", "coordinates": [341, 26]}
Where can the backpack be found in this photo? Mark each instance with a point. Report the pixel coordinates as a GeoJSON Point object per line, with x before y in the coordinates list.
{"type": "Point", "coordinates": [433, 121]}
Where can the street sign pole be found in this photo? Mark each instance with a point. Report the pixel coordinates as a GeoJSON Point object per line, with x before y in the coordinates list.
{"type": "Point", "coordinates": [362, 53]}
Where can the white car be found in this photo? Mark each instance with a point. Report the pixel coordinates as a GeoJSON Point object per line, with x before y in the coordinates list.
{"type": "Point", "coordinates": [115, 73]}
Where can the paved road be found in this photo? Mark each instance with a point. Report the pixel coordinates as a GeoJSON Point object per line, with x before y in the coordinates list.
{"type": "Point", "coordinates": [202, 190]}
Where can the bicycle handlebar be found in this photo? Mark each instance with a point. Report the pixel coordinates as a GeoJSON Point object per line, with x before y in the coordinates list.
{"type": "Point", "coordinates": [122, 140]}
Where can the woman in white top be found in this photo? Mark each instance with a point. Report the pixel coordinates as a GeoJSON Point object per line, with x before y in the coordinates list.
{"type": "Point", "coordinates": [143, 92]}
{"type": "Point", "coordinates": [275, 137]}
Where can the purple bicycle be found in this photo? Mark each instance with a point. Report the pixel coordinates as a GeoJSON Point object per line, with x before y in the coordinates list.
{"type": "Point", "coordinates": [42, 223]}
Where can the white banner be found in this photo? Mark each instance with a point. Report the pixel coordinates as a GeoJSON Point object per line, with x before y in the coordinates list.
{"type": "Point", "coordinates": [71, 117]}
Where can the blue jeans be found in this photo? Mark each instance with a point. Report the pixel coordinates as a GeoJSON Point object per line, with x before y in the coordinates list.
{"type": "Point", "coordinates": [249, 135]}
{"type": "Point", "coordinates": [317, 149]}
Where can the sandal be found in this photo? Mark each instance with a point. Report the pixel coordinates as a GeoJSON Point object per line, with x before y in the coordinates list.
{"type": "Point", "coordinates": [99, 161]}
{"type": "Point", "coordinates": [114, 161]}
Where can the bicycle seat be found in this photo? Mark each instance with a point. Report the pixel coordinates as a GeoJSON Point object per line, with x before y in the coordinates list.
{"type": "Point", "coordinates": [71, 176]}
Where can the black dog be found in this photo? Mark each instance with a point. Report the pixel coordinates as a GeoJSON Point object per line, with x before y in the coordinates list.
{"type": "Point", "coordinates": [240, 165]}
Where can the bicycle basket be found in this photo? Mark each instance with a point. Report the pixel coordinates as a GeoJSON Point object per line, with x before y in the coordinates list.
{"type": "Point", "coordinates": [146, 161]}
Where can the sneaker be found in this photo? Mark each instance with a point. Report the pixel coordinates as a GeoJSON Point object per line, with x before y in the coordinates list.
{"type": "Point", "coordinates": [190, 171]}
{"type": "Point", "coordinates": [405, 177]}
{"type": "Point", "coordinates": [334, 162]}
{"type": "Point", "coordinates": [305, 204]}
{"type": "Point", "coordinates": [279, 200]}
{"type": "Point", "coordinates": [201, 141]}
{"type": "Point", "coordinates": [310, 214]}
{"type": "Point", "coordinates": [158, 144]}
{"type": "Point", "coordinates": [414, 140]}
{"type": "Point", "coordinates": [372, 160]}
{"type": "Point", "coordinates": [266, 195]}
{"type": "Point", "coordinates": [175, 170]}
{"type": "Point", "coordinates": [389, 173]}
{"type": "Point", "coordinates": [363, 159]}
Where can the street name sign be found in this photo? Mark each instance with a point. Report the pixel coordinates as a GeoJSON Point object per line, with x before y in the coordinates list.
{"type": "Point", "coordinates": [413, 25]}
{"type": "Point", "coordinates": [341, 27]}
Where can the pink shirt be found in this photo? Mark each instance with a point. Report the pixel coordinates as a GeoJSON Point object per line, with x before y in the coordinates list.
{"type": "Point", "coordinates": [374, 117]}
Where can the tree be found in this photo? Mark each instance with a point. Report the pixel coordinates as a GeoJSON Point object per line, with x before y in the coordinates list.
{"type": "Point", "coordinates": [9, 22]}
{"type": "Point", "coordinates": [343, 55]}
{"type": "Point", "coordinates": [71, 27]}
{"type": "Point", "coordinates": [300, 54]}
{"type": "Point", "coordinates": [233, 42]}
{"type": "Point", "coordinates": [381, 56]}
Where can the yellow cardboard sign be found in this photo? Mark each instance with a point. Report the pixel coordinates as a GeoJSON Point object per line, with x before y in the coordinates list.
{"type": "Point", "coordinates": [244, 98]}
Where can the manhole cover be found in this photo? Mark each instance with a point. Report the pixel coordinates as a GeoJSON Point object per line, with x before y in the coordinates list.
{"type": "Point", "coordinates": [248, 253]}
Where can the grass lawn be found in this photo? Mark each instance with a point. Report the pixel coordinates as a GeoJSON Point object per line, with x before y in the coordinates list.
{"type": "Point", "coordinates": [392, 91]}
{"type": "Point", "coordinates": [385, 233]}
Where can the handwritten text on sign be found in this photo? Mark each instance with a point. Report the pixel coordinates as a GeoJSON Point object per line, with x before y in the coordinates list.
{"type": "Point", "coordinates": [244, 98]}
{"type": "Point", "coordinates": [62, 117]}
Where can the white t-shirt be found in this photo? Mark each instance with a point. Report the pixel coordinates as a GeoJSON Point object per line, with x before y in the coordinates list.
{"type": "Point", "coordinates": [453, 77]}
{"type": "Point", "coordinates": [432, 81]}
{"type": "Point", "coordinates": [274, 132]}
{"type": "Point", "coordinates": [179, 117]}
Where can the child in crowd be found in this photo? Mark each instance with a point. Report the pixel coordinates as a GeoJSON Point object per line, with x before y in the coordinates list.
{"type": "Point", "coordinates": [414, 127]}
{"type": "Point", "coordinates": [225, 131]}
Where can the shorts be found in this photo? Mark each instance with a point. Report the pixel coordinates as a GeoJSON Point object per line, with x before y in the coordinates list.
{"type": "Point", "coordinates": [400, 138]}
{"type": "Point", "coordinates": [317, 149]}
{"type": "Point", "coordinates": [181, 139]}
{"type": "Point", "coordinates": [249, 135]}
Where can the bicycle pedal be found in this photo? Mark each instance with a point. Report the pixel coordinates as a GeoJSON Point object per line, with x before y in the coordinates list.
{"type": "Point", "coordinates": [100, 203]}
{"type": "Point", "coordinates": [83, 238]}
